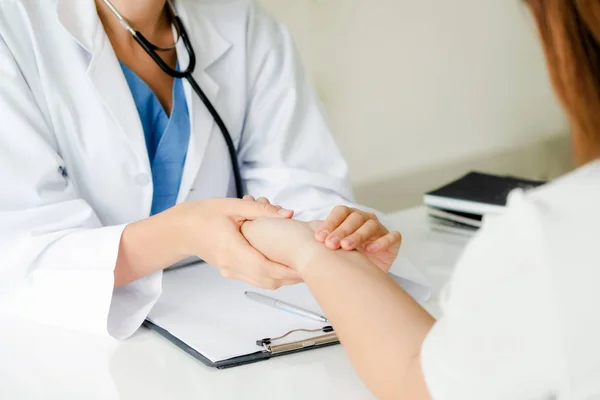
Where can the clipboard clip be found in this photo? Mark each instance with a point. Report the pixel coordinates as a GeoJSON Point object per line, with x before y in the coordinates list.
{"type": "Point", "coordinates": [329, 337]}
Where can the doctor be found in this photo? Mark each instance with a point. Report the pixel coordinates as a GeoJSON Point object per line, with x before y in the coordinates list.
{"type": "Point", "coordinates": [111, 170]}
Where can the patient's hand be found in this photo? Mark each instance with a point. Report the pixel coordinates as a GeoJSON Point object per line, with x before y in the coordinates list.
{"type": "Point", "coordinates": [289, 242]}
{"type": "Point", "coordinates": [286, 243]}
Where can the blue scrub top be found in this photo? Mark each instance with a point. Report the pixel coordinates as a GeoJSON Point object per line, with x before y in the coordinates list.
{"type": "Point", "coordinates": [167, 138]}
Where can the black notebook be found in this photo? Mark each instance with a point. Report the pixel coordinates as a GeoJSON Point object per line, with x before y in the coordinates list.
{"type": "Point", "coordinates": [477, 193]}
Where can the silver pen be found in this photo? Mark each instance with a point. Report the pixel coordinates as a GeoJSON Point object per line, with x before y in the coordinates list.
{"type": "Point", "coordinates": [283, 306]}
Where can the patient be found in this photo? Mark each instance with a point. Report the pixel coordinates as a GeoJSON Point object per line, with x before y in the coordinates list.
{"type": "Point", "coordinates": [521, 317]}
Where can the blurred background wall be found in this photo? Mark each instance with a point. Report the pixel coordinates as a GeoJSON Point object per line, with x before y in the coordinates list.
{"type": "Point", "coordinates": [420, 91]}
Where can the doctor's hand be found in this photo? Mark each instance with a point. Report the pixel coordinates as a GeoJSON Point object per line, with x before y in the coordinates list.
{"type": "Point", "coordinates": [260, 200]}
{"type": "Point", "coordinates": [352, 229]}
{"type": "Point", "coordinates": [211, 231]}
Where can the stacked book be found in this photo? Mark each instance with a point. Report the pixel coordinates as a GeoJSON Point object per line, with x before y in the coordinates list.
{"type": "Point", "coordinates": [460, 206]}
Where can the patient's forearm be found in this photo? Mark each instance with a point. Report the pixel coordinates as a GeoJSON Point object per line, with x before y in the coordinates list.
{"type": "Point", "coordinates": [381, 327]}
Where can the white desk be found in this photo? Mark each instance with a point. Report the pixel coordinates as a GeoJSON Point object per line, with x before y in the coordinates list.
{"type": "Point", "coordinates": [39, 362]}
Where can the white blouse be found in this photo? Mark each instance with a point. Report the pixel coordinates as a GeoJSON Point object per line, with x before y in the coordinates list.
{"type": "Point", "coordinates": [521, 314]}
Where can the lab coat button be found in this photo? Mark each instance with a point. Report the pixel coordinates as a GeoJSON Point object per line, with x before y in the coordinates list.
{"type": "Point", "coordinates": [142, 179]}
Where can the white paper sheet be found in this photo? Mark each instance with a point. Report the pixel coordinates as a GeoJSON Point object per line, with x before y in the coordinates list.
{"type": "Point", "coordinates": [212, 315]}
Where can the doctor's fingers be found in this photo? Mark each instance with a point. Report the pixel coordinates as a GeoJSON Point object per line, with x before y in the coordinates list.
{"type": "Point", "coordinates": [249, 265]}
{"type": "Point", "coordinates": [263, 273]}
{"type": "Point", "coordinates": [260, 200]}
{"type": "Point", "coordinates": [251, 209]}
{"type": "Point", "coordinates": [267, 283]}
{"type": "Point", "coordinates": [252, 264]}
{"type": "Point", "coordinates": [260, 268]}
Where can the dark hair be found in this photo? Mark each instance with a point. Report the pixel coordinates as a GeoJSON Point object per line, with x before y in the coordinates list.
{"type": "Point", "coordinates": [570, 34]}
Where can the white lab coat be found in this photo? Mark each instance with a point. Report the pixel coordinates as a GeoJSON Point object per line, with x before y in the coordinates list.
{"type": "Point", "coordinates": [74, 167]}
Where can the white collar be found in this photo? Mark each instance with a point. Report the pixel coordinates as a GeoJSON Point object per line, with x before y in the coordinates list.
{"type": "Point", "coordinates": [80, 19]}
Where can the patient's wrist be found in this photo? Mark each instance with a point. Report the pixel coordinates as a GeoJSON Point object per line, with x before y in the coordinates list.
{"type": "Point", "coordinates": [316, 257]}
{"type": "Point", "coordinates": [307, 255]}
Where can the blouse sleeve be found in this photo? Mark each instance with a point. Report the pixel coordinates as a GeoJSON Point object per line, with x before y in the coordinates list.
{"type": "Point", "coordinates": [497, 337]}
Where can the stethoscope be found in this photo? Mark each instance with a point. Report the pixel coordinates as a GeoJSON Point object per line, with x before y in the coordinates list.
{"type": "Point", "coordinates": [153, 50]}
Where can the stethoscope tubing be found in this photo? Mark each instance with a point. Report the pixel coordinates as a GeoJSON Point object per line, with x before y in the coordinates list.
{"type": "Point", "coordinates": [187, 74]}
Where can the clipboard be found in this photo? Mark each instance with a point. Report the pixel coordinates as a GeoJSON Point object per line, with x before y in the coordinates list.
{"type": "Point", "coordinates": [269, 349]}
{"type": "Point", "coordinates": [209, 317]}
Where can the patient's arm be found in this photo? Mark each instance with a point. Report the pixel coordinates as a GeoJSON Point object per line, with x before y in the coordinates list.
{"type": "Point", "coordinates": [381, 327]}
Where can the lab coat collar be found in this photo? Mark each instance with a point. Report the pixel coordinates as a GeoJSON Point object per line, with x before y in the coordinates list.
{"type": "Point", "coordinates": [80, 19]}
{"type": "Point", "coordinates": [209, 44]}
